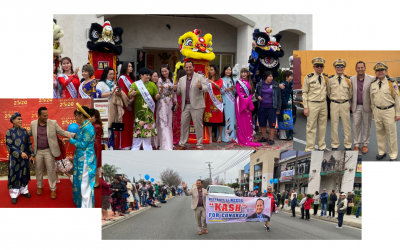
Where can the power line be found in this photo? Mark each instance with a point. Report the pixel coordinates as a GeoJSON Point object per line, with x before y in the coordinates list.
{"type": "Point", "coordinates": [209, 167]}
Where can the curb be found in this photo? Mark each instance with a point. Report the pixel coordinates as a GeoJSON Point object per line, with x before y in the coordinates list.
{"type": "Point", "coordinates": [107, 224]}
{"type": "Point", "coordinates": [347, 223]}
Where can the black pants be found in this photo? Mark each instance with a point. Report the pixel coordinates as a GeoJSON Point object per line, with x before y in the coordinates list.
{"type": "Point", "coordinates": [293, 210]}
{"type": "Point", "coordinates": [283, 203]}
{"type": "Point", "coordinates": [331, 208]}
{"type": "Point", "coordinates": [307, 214]}
{"type": "Point", "coordinates": [302, 213]}
{"type": "Point", "coordinates": [316, 209]}
{"type": "Point", "coordinates": [349, 210]}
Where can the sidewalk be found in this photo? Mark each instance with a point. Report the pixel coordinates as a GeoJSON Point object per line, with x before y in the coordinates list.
{"type": "Point", "coordinates": [118, 218]}
{"type": "Point", "coordinates": [348, 220]}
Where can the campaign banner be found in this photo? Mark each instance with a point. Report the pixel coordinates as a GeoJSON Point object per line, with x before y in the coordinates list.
{"type": "Point", "coordinates": [287, 173]}
{"type": "Point", "coordinates": [61, 110]}
{"type": "Point", "coordinates": [228, 209]}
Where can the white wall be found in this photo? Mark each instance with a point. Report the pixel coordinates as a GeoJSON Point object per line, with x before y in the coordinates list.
{"type": "Point", "coordinates": [316, 159]}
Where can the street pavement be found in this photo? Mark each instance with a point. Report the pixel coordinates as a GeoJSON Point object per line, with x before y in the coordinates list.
{"type": "Point", "coordinates": [175, 221]}
{"type": "Point", "coordinates": [299, 141]}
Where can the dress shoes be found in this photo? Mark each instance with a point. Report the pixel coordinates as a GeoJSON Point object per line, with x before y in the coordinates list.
{"type": "Point", "coordinates": [53, 195]}
{"type": "Point", "coordinates": [205, 231]}
{"type": "Point", "coordinates": [365, 149]}
{"type": "Point", "coordinates": [27, 195]}
{"type": "Point", "coordinates": [348, 149]}
{"type": "Point", "coordinates": [334, 149]}
{"type": "Point", "coordinates": [39, 191]}
{"type": "Point", "coordinates": [356, 149]}
{"type": "Point", "coordinates": [393, 159]}
{"type": "Point", "coordinates": [199, 148]}
{"type": "Point", "coordinates": [380, 157]}
{"type": "Point", "coordinates": [181, 148]}
{"type": "Point", "coordinates": [14, 200]}
{"type": "Point", "coordinates": [200, 233]}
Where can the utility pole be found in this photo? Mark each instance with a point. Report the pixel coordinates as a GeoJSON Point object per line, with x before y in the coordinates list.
{"type": "Point", "coordinates": [140, 177]}
{"type": "Point", "coordinates": [224, 176]}
{"type": "Point", "coordinates": [209, 168]}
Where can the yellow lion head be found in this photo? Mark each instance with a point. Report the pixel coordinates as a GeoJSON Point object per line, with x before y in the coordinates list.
{"type": "Point", "coordinates": [194, 46]}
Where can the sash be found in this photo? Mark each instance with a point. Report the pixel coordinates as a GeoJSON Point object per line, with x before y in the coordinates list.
{"type": "Point", "coordinates": [216, 102]}
{"type": "Point", "coordinates": [126, 81]}
{"type": "Point", "coordinates": [229, 94]}
{"type": "Point", "coordinates": [146, 95]}
{"type": "Point", "coordinates": [244, 87]}
{"type": "Point", "coordinates": [82, 93]}
{"type": "Point", "coordinates": [55, 90]}
{"type": "Point", "coordinates": [70, 87]}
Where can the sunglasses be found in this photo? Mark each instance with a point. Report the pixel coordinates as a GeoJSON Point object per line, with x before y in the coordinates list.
{"type": "Point", "coordinates": [319, 66]}
{"type": "Point", "coordinates": [341, 66]}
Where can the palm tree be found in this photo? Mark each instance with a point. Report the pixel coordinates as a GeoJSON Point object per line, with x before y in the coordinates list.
{"type": "Point", "coordinates": [109, 171]}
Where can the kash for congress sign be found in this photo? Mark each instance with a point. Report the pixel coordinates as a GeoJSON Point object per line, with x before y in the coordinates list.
{"type": "Point", "coordinates": [226, 209]}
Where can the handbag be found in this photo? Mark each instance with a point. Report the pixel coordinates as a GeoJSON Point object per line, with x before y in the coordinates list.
{"type": "Point", "coordinates": [351, 204]}
{"type": "Point", "coordinates": [287, 122]}
{"type": "Point", "coordinates": [117, 126]}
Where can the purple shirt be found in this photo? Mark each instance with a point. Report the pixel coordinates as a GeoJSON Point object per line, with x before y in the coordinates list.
{"type": "Point", "coordinates": [360, 85]}
{"type": "Point", "coordinates": [266, 95]}
{"type": "Point", "coordinates": [42, 142]}
{"type": "Point", "coordinates": [200, 203]}
{"type": "Point", "coordinates": [187, 98]}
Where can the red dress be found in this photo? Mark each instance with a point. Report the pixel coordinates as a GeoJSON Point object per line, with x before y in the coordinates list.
{"type": "Point", "coordinates": [75, 81]}
{"type": "Point", "coordinates": [272, 201]}
{"type": "Point", "coordinates": [97, 143]}
{"type": "Point", "coordinates": [212, 115]}
{"type": "Point", "coordinates": [177, 120]}
{"type": "Point", "coordinates": [124, 138]}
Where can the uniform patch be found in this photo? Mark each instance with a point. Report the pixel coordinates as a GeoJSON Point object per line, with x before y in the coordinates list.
{"type": "Point", "coordinates": [333, 83]}
{"type": "Point", "coordinates": [312, 82]}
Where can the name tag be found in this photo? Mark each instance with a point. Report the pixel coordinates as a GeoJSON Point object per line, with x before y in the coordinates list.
{"type": "Point", "coordinates": [333, 83]}
{"type": "Point", "coordinates": [312, 82]}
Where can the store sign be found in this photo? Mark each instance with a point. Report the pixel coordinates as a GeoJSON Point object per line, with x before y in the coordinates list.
{"type": "Point", "coordinates": [287, 173]}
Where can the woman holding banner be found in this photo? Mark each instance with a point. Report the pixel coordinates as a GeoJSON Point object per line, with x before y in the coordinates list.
{"type": "Point", "coordinates": [145, 93]}
{"type": "Point", "coordinates": [228, 92]}
{"type": "Point", "coordinates": [213, 112]}
{"type": "Point", "coordinates": [68, 79]}
{"type": "Point", "coordinates": [124, 82]}
{"type": "Point", "coordinates": [85, 160]}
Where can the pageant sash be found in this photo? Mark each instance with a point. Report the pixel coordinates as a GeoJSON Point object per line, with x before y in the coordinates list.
{"type": "Point", "coordinates": [82, 93]}
{"type": "Point", "coordinates": [229, 94]}
{"type": "Point", "coordinates": [244, 87]}
{"type": "Point", "coordinates": [146, 95]}
{"type": "Point", "coordinates": [126, 81]}
{"type": "Point", "coordinates": [55, 90]}
{"type": "Point", "coordinates": [70, 87]}
{"type": "Point", "coordinates": [216, 102]}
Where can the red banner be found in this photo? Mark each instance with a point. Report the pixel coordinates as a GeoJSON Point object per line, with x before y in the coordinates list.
{"type": "Point", "coordinates": [100, 61]}
{"type": "Point", "coordinates": [61, 110]}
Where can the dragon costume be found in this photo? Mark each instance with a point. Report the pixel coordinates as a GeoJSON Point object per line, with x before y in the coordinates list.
{"type": "Point", "coordinates": [57, 47]}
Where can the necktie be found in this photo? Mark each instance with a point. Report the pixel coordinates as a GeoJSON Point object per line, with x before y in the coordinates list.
{"type": "Point", "coordinates": [319, 79]}
{"type": "Point", "coordinates": [339, 79]}
{"type": "Point", "coordinates": [380, 82]}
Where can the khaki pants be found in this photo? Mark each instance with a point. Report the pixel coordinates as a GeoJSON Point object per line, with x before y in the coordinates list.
{"type": "Point", "coordinates": [318, 113]}
{"type": "Point", "coordinates": [44, 157]}
{"type": "Point", "coordinates": [360, 117]}
{"type": "Point", "coordinates": [340, 111]}
{"type": "Point", "coordinates": [196, 115]}
{"type": "Point", "coordinates": [200, 216]}
{"type": "Point", "coordinates": [385, 126]}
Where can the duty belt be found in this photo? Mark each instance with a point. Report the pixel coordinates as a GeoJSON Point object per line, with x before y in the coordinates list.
{"type": "Point", "coordinates": [318, 101]}
{"type": "Point", "coordinates": [339, 102]}
{"type": "Point", "coordinates": [385, 108]}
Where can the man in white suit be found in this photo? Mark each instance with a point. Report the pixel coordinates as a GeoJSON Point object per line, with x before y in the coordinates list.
{"type": "Point", "coordinates": [198, 204]}
{"type": "Point", "coordinates": [361, 107]}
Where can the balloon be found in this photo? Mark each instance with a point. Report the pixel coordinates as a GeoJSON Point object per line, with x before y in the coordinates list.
{"type": "Point", "coordinates": [73, 128]}
{"type": "Point", "coordinates": [147, 177]}
{"type": "Point", "coordinates": [152, 179]}
{"type": "Point", "coordinates": [265, 190]}
{"type": "Point", "coordinates": [275, 181]}
{"type": "Point", "coordinates": [271, 181]}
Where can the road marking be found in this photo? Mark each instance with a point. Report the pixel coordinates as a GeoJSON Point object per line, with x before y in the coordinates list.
{"type": "Point", "coordinates": [305, 143]}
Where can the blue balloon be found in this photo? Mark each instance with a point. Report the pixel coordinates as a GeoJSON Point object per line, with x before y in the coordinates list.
{"type": "Point", "coordinates": [152, 179]}
{"type": "Point", "coordinates": [275, 181]}
{"type": "Point", "coordinates": [147, 177]}
{"type": "Point", "coordinates": [73, 128]}
{"type": "Point", "coordinates": [271, 181]}
{"type": "Point", "coordinates": [265, 190]}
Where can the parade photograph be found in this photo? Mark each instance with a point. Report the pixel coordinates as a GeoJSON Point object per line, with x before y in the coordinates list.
{"type": "Point", "coordinates": [232, 195]}
{"type": "Point", "coordinates": [183, 82]}
{"type": "Point", "coordinates": [347, 100]}
{"type": "Point", "coordinates": [48, 150]}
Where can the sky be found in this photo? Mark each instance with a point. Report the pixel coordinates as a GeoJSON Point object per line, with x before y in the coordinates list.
{"type": "Point", "coordinates": [191, 165]}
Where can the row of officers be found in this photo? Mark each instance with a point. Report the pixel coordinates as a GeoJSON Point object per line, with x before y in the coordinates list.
{"type": "Point", "coordinates": [366, 96]}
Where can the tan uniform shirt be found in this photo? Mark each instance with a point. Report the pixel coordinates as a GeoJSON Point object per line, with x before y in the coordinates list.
{"type": "Point", "coordinates": [383, 97]}
{"type": "Point", "coordinates": [312, 90]}
{"type": "Point", "coordinates": [339, 92]}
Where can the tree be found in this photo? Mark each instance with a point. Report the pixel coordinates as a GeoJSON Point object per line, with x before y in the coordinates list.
{"type": "Point", "coordinates": [109, 171]}
{"type": "Point", "coordinates": [221, 182]}
{"type": "Point", "coordinates": [235, 185]}
{"type": "Point", "coordinates": [337, 170]}
{"type": "Point", "coordinates": [206, 183]}
{"type": "Point", "coordinates": [170, 177]}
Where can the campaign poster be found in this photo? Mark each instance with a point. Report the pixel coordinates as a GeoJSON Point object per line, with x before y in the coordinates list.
{"type": "Point", "coordinates": [227, 209]}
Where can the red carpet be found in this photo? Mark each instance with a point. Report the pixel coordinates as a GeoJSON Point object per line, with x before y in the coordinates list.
{"type": "Point", "coordinates": [63, 200]}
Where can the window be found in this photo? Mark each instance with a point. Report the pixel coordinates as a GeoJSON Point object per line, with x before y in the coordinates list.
{"type": "Point", "coordinates": [222, 60]}
{"type": "Point", "coordinates": [357, 186]}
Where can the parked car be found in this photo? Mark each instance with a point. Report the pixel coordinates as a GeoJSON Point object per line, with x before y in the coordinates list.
{"type": "Point", "coordinates": [220, 190]}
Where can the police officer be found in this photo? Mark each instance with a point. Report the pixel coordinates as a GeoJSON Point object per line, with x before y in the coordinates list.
{"type": "Point", "coordinates": [385, 104]}
{"type": "Point", "coordinates": [340, 91]}
{"type": "Point", "coordinates": [314, 102]}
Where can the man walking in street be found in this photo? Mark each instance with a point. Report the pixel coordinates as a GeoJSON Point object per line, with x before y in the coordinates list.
{"type": "Point", "coordinates": [198, 204]}
{"type": "Point", "coordinates": [385, 104]}
{"type": "Point", "coordinates": [340, 92]}
{"type": "Point", "coordinates": [361, 107]}
{"type": "Point", "coordinates": [332, 201]}
{"type": "Point", "coordinates": [44, 132]}
{"type": "Point", "coordinates": [324, 201]}
{"type": "Point", "coordinates": [315, 108]}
